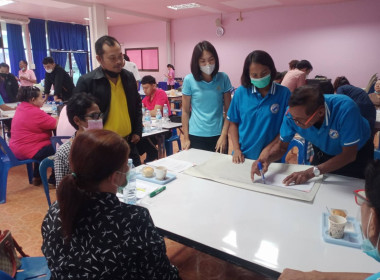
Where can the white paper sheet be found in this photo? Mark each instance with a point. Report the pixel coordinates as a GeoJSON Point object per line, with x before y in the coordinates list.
{"type": "Point", "coordinates": [174, 165]}
{"type": "Point", "coordinates": [276, 180]}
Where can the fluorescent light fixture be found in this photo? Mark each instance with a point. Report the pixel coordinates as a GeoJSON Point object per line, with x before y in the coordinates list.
{"type": "Point", "coordinates": [184, 6]}
{"type": "Point", "coordinates": [108, 17]}
{"type": "Point", "coordinates": [6, 2]}
{"type": "Point", "coordinates": [86, 18]}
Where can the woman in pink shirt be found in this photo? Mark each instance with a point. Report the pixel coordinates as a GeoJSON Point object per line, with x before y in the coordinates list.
{"type": "Point", "coordinates": [26, 76]}
{"type": "Point", "coordinates": [32, 129]}
{"type": "Point", "coordinates": [170, 76]}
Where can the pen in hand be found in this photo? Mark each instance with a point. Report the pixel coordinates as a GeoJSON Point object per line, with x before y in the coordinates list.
{"type": "Point", "coordinates": [259, 165]}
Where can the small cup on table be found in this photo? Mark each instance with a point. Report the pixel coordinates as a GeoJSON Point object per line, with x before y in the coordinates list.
{"type": "Point", "coordinates": [161, 172]}
{"type": "Point", "coordinates": [336, 226]}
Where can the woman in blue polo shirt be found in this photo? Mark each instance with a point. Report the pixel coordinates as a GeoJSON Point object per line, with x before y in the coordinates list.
{"type": "Point", "coordinates": [258, 107]}
{"type": "Point", "coordinates": [207, 92]}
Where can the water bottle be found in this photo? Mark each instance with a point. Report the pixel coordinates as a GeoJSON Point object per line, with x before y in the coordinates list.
{"type": "Point", "coordinates": [159, 119]}
{"type": "Point", "coordinates": [143, 111]}
{"type": "Point", "coordinates": [129, 192]}
{"type": "Point", "coordinates": [54, 108]}
{"type": "Point", "coordinates": [147, 121]}
{"type": "Point", "coordinates": [165, 113]}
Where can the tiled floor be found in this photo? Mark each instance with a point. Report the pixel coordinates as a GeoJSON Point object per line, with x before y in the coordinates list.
{"type": "Point", "coordinates": [26, 206]}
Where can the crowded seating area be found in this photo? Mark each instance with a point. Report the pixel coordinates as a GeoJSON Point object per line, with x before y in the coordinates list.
{"type": "Point", "coordinates": [130, 156]}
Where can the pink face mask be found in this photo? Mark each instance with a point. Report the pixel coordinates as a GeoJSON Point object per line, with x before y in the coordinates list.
{"type": "Point", "coordinates": [94, 124]}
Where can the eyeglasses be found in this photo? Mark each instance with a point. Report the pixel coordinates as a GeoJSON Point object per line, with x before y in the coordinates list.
{"type": "Point", "coordinates": [360, 197]}
{"type": "Point", "coordinates": [289, 116]}
{"type": "Point", "coordinates": [94, 116]}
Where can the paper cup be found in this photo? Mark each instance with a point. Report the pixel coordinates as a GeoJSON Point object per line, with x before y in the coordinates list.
{"type": "Point", "coordinates": [161, 172]}
{"type": "Point", "coordinates": [336, 226]}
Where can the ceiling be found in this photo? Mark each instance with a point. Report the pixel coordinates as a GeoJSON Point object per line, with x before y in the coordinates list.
{"type": "Point", "coordinates": [122, 12]}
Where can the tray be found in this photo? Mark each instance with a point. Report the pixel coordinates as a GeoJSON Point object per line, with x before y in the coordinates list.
{"type": "Point", "coordinates": [352, 233]}
{"type": "Point", "coordinates": [169, 177]}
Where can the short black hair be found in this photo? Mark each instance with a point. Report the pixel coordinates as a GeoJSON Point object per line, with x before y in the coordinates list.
{"type": "Point", "coordinates": [48, 60]}
{"type": "Point", "coordinates": [23, 60]}
{"type": "Point", "coordinates": [126, 57]}
{"type": "Point", "coordinates": [3, 64]}
{"type": "Point", "coordinates": [340, 81]}
{"type": "Point", "coordinates": [171, 66]}
{"type": "Point", "coordinates": [372, 182]}
{"type": "Point", "coordinates": [26, 94]}
{"type": "Point", "coordinates": [78, 105]}
{"type": "Point", "coordinates": [293, 64]}
{"type": "Point", "coordinates": [197, 53]}
{"type": "Point", "coordinates": [308, 96]}
{"type": "Point", "coordinates": [148, 80]}
{"type": "Point", "coordinates": [304, 64]}
{"type": "Point", "coordinates": [108, 40]}
{"type": "Point", "coordinates": [260, 57]}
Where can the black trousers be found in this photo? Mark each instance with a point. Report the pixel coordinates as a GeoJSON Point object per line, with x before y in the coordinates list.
{"type": "Point", "coordinates": [148, 145]}
{"type": "Point", "coordinates": [40, 155]}
{"type": "Point", "coordinates": [134, 153]}
{"type": "Point", "coordinates": [354, 169]}
{"type": "Point", "coordinates": [204, 143]}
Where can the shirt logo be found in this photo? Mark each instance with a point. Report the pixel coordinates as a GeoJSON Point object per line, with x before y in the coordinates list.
{"type": "Point", "coordinates": [333, 134]}
{"type": "Point", "coordinates": [274, 108]}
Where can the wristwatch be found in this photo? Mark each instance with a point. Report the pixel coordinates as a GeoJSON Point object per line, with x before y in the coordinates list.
{"type": "Point", "coordinates": [316, 171]}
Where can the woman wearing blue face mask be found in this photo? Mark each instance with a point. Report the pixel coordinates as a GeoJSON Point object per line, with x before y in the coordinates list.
{"type": "Point", "coordinates": [208, 93]}
{"type": "Point", "coordinates": [369, 201]}
{"type": "Point", "coordinates": [258, 107]}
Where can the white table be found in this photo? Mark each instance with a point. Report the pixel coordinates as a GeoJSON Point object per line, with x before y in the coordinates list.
{"type": "Point", "coordinates": [260, 232]}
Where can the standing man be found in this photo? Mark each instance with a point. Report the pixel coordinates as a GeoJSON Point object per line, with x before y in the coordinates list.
{"type": "Point", "coordinates": [132, 67]}
{"type": "Point", "coordinates": [116, 93]}
{"type": "Point", "coordinates": [334, 125]}
{"type": "Point", "coordinates": [297, 77]}
{"type": "Point", "coordinates": [59, 78]}
{"type": "Point", "coordinates": [8, 84]}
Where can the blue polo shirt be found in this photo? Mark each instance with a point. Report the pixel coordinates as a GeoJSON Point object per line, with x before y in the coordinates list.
{"type": "Point", "coordinates": [259, 119]}
{"type": "Point", "coordinates": [343, 126]}
{"type": "Point", "coordinates": [1, 100]}
{"type": "Point", "coordinates": [206, 104]}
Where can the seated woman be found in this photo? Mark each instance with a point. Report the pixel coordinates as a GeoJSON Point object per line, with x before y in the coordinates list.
{"type": "Point", "coordinates": [88, 232]}
{"type": "Point", "coordinates": [31, 130]}
{"type": "Point", "coordinates": [257, 109]}
{"type": "Point", "coordinates": [370, 220]}
{"type": "Point", "coordinates": [83, 114]}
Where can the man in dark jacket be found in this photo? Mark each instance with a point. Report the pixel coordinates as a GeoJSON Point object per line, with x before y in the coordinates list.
{"type": "Point", "coordinates": [58, 77]}
{"type": "Point", "coordinates": [116, 92]}
{"type": "Point", "coordinates": [8, 84]}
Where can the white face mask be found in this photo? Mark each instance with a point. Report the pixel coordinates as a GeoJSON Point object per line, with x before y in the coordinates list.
{"type": "Point", "coordinates": [49, 70]}
{"type": "Point", "coordinates": [94, 124]}
{"type": "Point", "coordinates": [208, 69]}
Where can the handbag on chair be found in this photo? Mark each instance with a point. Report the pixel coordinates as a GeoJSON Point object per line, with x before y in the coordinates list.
{"type": "Point", "coordinates": [9, 261]}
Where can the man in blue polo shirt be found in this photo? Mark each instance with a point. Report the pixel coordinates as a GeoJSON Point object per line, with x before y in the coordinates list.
{"type": "Point", "coordinates": [332, 123]}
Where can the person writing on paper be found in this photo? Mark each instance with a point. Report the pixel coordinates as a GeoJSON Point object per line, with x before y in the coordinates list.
{"type": "Point", "coordinates": [88, 233]}
{"type": "Point", "coordinates": [208, 92]}
{"type": "Point", "coordinates": [333, 124]}
{"type": "Point", "coordinates": [257, 109]}
{"type": "Point", "coordinates": [369, 202]}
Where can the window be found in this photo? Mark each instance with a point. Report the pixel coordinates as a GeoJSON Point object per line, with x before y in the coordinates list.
{"type": "Point", "coordinates": [146, 59]}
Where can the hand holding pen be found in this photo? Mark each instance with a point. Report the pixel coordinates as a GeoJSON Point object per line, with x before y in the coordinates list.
{"type": "Point", "coordinates": [259, 170]}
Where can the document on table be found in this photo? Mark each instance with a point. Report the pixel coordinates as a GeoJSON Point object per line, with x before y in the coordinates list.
{"type": "Point", "coordinates": [276, 180]}
{"type": "Point", "coordinates": [220, 168]}
{"type": "Point", "coordinates": [174, 165]}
